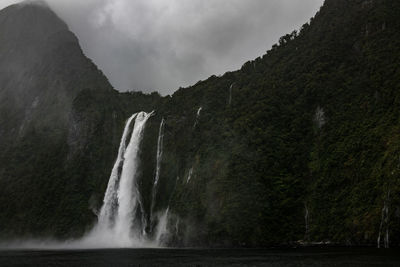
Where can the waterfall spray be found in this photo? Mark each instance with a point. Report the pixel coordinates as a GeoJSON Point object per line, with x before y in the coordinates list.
{"type": "Point", "coordinates": [162, 230]}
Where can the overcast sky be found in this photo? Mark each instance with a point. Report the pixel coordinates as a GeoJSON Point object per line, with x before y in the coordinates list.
{"type": "Point", "coordinates": [161, 45]}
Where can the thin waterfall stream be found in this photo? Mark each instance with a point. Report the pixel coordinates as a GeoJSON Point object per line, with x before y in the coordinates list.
{"type": "Point", "coordinates": [160, 143]}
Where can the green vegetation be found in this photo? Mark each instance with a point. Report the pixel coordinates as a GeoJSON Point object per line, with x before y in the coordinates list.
{"type": "Point", "coordinates": [312, 125]}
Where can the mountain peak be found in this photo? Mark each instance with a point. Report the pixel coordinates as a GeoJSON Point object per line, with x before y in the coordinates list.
{"type": "Point", "coordinates": [30, 21]}
{"type": "Point", "coordinates": [40, 3]}
{"type": "Point", "coordinates": [31, 5]}
{"type": "Point", "coordinates": [41, 61]}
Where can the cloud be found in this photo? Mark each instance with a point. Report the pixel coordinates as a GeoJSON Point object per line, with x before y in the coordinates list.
{"type": "Point", "coordinates": [164, 44]}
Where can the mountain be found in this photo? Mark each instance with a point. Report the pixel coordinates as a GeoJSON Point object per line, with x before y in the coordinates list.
{"type": "Point", "coordinates": [60, 124]}
{"type": "Point", "coordinates": [299, 144]}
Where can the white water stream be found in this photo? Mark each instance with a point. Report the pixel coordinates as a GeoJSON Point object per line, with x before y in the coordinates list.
{"type": "Point", "coordinates": [121, 221]}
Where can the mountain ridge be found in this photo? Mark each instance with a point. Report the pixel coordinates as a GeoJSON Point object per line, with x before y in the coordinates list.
{"type": "Point", "coordinates": [299, 144]}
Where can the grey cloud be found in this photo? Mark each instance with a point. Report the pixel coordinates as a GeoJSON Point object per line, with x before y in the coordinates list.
{"type": "Point", "coordinates": [161, 45]}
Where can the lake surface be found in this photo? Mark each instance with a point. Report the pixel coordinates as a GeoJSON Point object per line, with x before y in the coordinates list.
{"type": "Point", "coordinates": [202, 257]}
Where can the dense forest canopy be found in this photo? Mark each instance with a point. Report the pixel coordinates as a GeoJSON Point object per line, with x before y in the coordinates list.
{"type": "Point", "coordinates": [299, 144]}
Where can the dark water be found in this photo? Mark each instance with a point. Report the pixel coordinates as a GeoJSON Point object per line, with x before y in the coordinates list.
{"type": "Point", "coordinates": [201, 257]}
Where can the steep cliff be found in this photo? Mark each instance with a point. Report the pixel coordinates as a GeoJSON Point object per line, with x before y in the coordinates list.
{"type": "Point", "coordinates": [301, 143]}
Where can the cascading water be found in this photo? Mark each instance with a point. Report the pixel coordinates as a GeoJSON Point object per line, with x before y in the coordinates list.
{"type": "Point", "coordinates": [118, 225]}
{"type": "Point", "coordinates": [162, 230]}
{"type": "Point", "coordinates": [177, 226]}
{"type": "Point", "coordinates": [128, 192]}
{"type": "Point", "coordinates": [230, 94]}
{"type": "Point", "coordinates": [306, 220]}
{"type": "Point", "coordinates": [160, 143]}
{"type": "Point", "coordinates": [384, 223]}
{"type": "Point", "coordinates": [189, 175]}
{"type": "Point", "coordinates": [110, 197]}
{"type": "Point", "coordinates": [197, 117]}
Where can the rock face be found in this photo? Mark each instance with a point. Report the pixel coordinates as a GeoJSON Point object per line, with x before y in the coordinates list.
{"type": "Point", "coordinates": [300, 143]}
{"type": "Point", "coordinates": [42, 70]}
{"type": "Point", "coordinates": [55, 107]}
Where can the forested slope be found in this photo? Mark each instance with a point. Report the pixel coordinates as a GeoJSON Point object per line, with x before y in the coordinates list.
{"type": "Point", "coordinates": [299, 144]}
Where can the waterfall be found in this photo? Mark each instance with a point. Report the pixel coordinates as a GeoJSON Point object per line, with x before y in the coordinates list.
{"type": "Point", "coordinates": [128, 193]}
{"type": "Point", "coordinates": [189, 175]}
{"type": "Point", "coordinates": [110, 197]}
{"type": "Point", "coordinates": [319, 117]}
{"type": "Point", "coordinates": [177, 227]}
{"type": "Point", "coordinates": [197, 117]}
{"type": "Point", "coordinates": [121, 221]}
{"type": "Point", "coordinates": [306, 220]}
{"type": "Point", "coordinates": [162, 231]}
{"type": "Point", "coordinates": [230, 94]}
{"type": "Point", "coordinates": [160, 144]}
{"type": "Point", "coordinates": [384, 222]}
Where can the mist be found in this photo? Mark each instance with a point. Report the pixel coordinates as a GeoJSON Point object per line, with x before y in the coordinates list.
{"type": "Point", "coordinates": [156, 45]}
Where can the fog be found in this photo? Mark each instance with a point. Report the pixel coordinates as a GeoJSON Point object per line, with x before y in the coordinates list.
{"type": "Point", "coordinates": [159, 45]}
